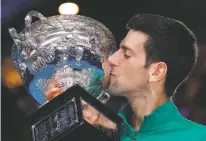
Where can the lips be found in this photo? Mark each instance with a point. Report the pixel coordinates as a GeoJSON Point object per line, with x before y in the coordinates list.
{"type": "Point", "coordinates": [112, 74]}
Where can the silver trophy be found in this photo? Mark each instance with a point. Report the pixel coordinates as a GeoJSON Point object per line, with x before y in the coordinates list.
{"type": "Point", "coordinates": [67, 49]}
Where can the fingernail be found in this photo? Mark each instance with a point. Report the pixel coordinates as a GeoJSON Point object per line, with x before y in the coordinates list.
{"type": "Point", "coordinates": [54, 89]}
{"type": "Point", "coordinates": [64, 89]}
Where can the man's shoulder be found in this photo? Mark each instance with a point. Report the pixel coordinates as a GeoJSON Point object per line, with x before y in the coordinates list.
{"type": "Point", "coordinates": [191, 127]}
{"type": "Point", "coordinates": [190, 124]}
{"type": "Point", "coordinates": [181, 129]}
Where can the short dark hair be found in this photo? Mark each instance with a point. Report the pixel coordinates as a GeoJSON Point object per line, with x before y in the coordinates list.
{"type": "Point", "coordinates": [169, 41]}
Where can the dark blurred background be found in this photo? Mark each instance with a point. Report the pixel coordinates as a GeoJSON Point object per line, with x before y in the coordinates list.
{"type": "Point", "coordinates": [16, 103]}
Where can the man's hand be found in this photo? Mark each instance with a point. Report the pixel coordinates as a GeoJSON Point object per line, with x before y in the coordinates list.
{"type": "Point", "coordinates": [52, 93]}
{"type": "Point", "coordinates": [90, 114]}
{"type": "Point", "coordinates": [52, 90]}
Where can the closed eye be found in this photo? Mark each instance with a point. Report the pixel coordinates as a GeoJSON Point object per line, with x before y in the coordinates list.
{"type": "Point", "coordinates": [126, 52]}
{"type": "Point", "coordinates": [126, 56]}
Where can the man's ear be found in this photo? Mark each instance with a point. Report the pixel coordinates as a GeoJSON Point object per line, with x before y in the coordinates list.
{"type": "Point", "coordinates": [157, 71]}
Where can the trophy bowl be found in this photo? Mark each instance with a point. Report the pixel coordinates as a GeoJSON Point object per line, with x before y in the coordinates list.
{"type": "Point", "coordinates": [61, 50]}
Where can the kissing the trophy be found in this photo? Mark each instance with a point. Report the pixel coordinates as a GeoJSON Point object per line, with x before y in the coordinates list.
{"type": "Point", "coordinates": [62, 62]}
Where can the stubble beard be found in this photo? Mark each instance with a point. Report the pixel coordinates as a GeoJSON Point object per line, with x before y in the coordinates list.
{"type": "Point", "coordinates": [115, 89]}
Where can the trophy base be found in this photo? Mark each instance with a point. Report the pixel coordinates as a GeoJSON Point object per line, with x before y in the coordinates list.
{"type": "Point", "coordinates": [86, 132]}
{"type": "Point", "coordinates": [63, 119]}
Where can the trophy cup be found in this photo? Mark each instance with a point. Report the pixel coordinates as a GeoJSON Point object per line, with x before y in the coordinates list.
{"type": "Point", "coordinates": [68, 50]}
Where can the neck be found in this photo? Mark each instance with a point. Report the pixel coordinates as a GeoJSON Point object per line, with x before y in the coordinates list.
{"type": "Point", "coordinates": [144, 104]}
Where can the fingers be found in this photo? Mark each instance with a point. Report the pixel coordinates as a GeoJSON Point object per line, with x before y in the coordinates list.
{"type": "Point", "coordinates": [49, 94]}
{"type": "Point", "coordinates": [59, 91]}
{"type": "Point", "coordinates": [90, 117]}
{"type": "Point", "coordinates": [53, 92]}
{"type": "Point", "coordinates": [52, 84]}
{"type": "Point", "coordinates": [90, 114]}
{"type": "Point", "coordinates": [105, 122]}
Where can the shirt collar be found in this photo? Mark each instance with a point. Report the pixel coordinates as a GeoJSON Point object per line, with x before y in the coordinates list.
{"type": "Point", "coordinates": [162, 114]}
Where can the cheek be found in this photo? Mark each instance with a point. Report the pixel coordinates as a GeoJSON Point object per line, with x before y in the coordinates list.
{"type": "Point", "coordinates": [137, 74]}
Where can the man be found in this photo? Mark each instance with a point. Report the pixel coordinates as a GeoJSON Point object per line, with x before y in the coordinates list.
{"type": "Point", "coordinates": [154, 58]}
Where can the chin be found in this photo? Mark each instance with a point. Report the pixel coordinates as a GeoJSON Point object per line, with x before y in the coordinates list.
{"type": "Point", "coordinates": [114, 91]}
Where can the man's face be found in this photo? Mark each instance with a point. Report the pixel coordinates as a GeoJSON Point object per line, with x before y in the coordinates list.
{"type": "Point", "coordinates": [128, 74]}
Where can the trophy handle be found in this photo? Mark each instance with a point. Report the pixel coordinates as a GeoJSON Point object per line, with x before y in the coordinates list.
{"type": "Point", "coordinates": [28, 20]}
{"type": "Point", "coordinates": [103, 97]}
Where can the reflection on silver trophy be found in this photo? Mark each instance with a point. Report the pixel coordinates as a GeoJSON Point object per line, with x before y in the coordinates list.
{"type": "Point", "coordinates": [63, 50]}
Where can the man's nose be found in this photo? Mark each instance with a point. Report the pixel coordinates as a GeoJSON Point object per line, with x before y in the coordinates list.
{"type": "Point", "coordinates": [113, 59]}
